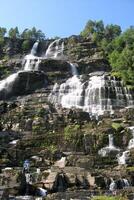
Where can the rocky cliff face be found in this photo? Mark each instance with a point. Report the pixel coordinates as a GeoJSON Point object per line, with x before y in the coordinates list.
{"type": "Point", "coordinates": [61, 144]}
{"type": "Point", "coordinates": [78, 50]}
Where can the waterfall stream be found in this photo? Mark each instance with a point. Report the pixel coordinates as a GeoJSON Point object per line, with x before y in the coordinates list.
{"type": "Point", "coordinates": [55, 50]}
{"type": "Point", "coordinates": [106, 150]}
{"type": "Point", "coordinates": [125, 155]}
{"type": "Point", "coordinates": [95, 95]}
{"type": "Point", "coordinates": [31, 60]}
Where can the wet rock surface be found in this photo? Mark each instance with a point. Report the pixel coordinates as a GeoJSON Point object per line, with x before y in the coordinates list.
{"type": "Point", "coordinates": [23, 83]}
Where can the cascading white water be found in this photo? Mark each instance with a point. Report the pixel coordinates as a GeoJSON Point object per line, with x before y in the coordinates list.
{"type": "Point", "coordinates": [96, 94]}
{"type": "Point", "coordinates": [93, 101]}
{"type": "Point", "coordinates": [111, 141]}
{"type": "Point", "coordinates": [106, 150]}
{"type": "Point", "coordinates": [8, 81]}
{"type": "Point", "coordinates": [6, 84]}
{"type": "Point", "coordinates": [34, 48]}
{"type": "Point", "coordinates": [125, 183]}
{"type": "Point", "coordinates": [112, 186]}
{"type": "Point", "coordinates": [74, 69]}
{"type": "Point", "coordinates": [131, 142]}
{"type": "Point", "coordinates": [123, 158]}
{"type": "Point", "coordinates": [125, 155]}
{"type": "Point", "coordinates": [32, 61]}
{"type": "Point", "coordinates": [55, 50]}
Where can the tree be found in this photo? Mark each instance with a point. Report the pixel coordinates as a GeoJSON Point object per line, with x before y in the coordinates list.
{"type": "Point", "coordinates": [26, 45]}
{"type": "Point", "coordinates": [26, 34]}
{"type": "Point", "coordinates": [33, 34]}
{"type": "Point", "coordinates": [93, 27]}
{"type": "Point", "coordinates": [2, 31]}
{"type": "Point", "coordinates": [14, 33]}
{"type": "Point", "coordinates": [112, 31]}
{"type": "Point", "coordinates": [2, 34]}
{"type": "Point", "coordinates": [121, 57]}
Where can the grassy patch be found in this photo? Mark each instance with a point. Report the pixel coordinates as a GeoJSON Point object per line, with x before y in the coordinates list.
{"type": "Point", "coordinates": [108, 198]}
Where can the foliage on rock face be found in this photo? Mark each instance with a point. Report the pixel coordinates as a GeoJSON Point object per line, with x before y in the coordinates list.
{"type": "Point", "coordinates": [73, 136]}
{"type": "Point", "coordinates": [118, 47]}
{"type": "Point", "coordinates": [121, 57]}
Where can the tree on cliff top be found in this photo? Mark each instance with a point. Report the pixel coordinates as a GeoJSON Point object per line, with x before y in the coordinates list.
{"type": "Point", "coordinates": [32, 34]}
{"type": "Point", "coordinates": [117, 47]}
{"type": "Point", "coordinates": [2, 34]}
{"type": "Point", "coordinates": [14, 33]}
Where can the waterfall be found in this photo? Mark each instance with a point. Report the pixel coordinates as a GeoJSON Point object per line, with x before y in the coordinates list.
{"type": "Point", "coordinates": [112, 186]}
{"type": "Point", "coordinates": [125, 155]}
{"type": "Point", "coordinates": [131, 142]}
{"type": "Point", "coordinates": [123, 158]}
{"type": "Point", "coordinates": [32, 61]}
{"type": "Point", "coordinates": [96, 95]}
{"type": "Point", "coordinates": [111, 143]}
{"type": "Point", "coordinates": [55, 50]}
{"type": "Point", "coordinates": [74, 69]}
{"type": "Point", "coordinates": [125, 183]}
{"type": "Point", "coordinates": [8, 81]}
{"type": "Point", "coordinates": [106, 150]}
{"type": "Point", "coordinates": [6, 84]}
{"type": "Point", "coordinates": [34, 48]}
{"type": "Point", "coordinates": [68, 94]}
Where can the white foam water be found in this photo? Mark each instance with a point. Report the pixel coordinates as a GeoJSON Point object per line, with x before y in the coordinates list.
{"type": "Point", "coordinates": [125, 155]}
{"type": "Point", "coordinates": [31, 60]}
{"type": "Point", "coordinates": [123, 158]}
{"type": "Point", "coordinates": [55, 50]}
{"type": "Point", "coordinates": [131, 142]}
{"type": "Point", "coordinates": [95, 95]}
{"type": "Point", "coordinates": [108, 149]}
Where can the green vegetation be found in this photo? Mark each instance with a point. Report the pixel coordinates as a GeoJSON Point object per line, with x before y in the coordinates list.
{"type": "Point", "coordinates": [2, 35]}
{"type": "Point", "coordinates": [109, 198]}
{"type": "Point", "coordinates": [73, 136]}
{"type": "Point", "coordinates": [117, 126]}
{"type": "Point", "coordinates": [18, 40]}
{"type": "Point", "coordinates": [70, 132]}
{"type": "Point", "coordinates": [32, 34]}
{"type": "Point", "coordinates": [26, 45]}
{"type": "Point", "coordinates": [14, 33]}
{"type": "Point", "coordinates": [117, 47]}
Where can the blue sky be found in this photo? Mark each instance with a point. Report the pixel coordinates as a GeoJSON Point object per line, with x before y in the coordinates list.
{"type": "Point", "coordinates": [64, 17]}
